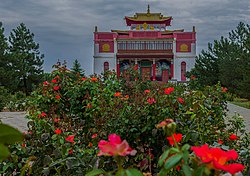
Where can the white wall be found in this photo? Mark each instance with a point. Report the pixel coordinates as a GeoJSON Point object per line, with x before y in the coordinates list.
{"type": "Point", "coordinates": [99, 64]}
{"type": "Point", "coordinates": [177, 66]}
{"type": "Point", "coordinates": [100, 58]}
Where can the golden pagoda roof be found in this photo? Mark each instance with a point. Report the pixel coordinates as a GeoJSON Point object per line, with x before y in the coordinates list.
{"type": "Point", "coordinates": [148, 16]}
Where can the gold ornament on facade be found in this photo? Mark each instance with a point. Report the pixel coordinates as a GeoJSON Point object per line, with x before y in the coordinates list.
{"type": "Point", "coordinates": [138, 27]}
{"type": "Point", "coordinates": [152, 27]}
{"type": "Point", "coordinates": [106, 47]}
{"type": "Point", "coordinates": [145, 26]}
{"type": "Point", "coordinates": [184, 48]}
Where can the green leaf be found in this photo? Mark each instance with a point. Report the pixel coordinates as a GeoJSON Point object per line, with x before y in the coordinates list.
{"type": "Point", "coordinates": [133, 172]}
{"type": "Point", "coordinates": [163, 172]}
{"type": "Point", "coordinates": [185, 156]}
{"type": "Point", "coordinates": [163, 157]}
{"type": "Point", "coordinates": [185, 147]}
{"type": "Point", "coordinates": [121, 173]}
{"type": "Point", "coordinates": [9, 135]}
{"type": "Point", "coordinates": [172, 161]}
{"type": "Point", "coordinates": [95, 172]}
{"type": "Point", "coordinates": [61, 141]}
{"type": "Point", "coordinates": [199, 171]}
{"type": "Point", "coordinates": [174, 150]}
{"type": "Point", "coordinates": [4, 152]}
{"type": "Point", "coordinates": [187, 170]}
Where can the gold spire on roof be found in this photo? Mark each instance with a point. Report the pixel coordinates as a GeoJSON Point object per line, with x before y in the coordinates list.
{"type": "Point", "coordinates": [148, 11]}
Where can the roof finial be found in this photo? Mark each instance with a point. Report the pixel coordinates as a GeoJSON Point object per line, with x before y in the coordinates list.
{"type": "Point", "coordinates": [148, 11]}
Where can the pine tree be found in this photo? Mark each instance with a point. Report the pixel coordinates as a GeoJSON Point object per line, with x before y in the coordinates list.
{"type": "Point", "coordinates": [227, 60]}
{"type": "Point", "coordinates": [26, 58]}
{"type": "Point", "coordinates": [5, 66]}
{"type": "Point", "coordinates": [77, 68]}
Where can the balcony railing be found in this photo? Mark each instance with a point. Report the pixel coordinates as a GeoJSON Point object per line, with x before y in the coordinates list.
{"type": "Point", "coordinates": [145, 46]}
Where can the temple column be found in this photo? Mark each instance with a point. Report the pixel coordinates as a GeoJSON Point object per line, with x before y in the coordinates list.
{"type": "Point", "coordinates": [154, 67]}
{"type": "Point", "coordinates": [172, 69]}
{"type": "Point", "coordinates": [118, 68]}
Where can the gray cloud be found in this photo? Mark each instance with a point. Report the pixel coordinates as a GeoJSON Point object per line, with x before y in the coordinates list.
{"type": "Point", "coordinates": [64, 28]}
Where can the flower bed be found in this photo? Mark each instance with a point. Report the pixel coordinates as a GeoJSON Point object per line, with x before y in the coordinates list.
{"type": "Point", "coordinates": [71, 114]}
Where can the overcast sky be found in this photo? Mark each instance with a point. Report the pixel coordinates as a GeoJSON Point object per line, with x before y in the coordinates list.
{"type": "Point", "coordinates": [64, 28]}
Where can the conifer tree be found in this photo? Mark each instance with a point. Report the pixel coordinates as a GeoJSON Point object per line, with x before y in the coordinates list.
{"type": "Point", "coordinates": [5, 66]}
{"type": "Point", "coordinates": [227, 60]}
{"type": "Point", "coordinates": [26, 58]}
{"type": "Point", "coordinates": [77, 68]}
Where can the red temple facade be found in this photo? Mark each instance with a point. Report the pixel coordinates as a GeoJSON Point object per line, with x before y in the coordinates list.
{"type": "Point", "coordinates": [157, 53]}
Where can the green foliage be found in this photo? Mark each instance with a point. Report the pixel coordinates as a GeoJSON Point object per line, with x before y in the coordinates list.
{"type": "Point", "coordinates": [8, 135]}
{"type": "Point", "coordinates": [17, 102]}
{"type": "Point", "coordinates": [5, 66]}
{"type": "Point", "coordinates": [26, 60]}
{"type": "Point", "coordinates": [4, 97]}
{"type": "Point", "coordinates": [103, 105]}
{"type": "Point", "coordinates": [76, 69]}
{"type": "Point", "coordinates": [226, 60]}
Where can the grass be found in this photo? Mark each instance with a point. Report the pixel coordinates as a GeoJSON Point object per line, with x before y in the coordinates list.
{"type": "Point", "coordinates": [241, 102]}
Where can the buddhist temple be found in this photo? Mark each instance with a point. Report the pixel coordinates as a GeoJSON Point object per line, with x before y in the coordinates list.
{"type": "Point", "coordinates": [159, 54]}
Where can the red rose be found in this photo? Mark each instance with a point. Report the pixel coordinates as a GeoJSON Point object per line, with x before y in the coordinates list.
{"type": "Point", "coordinates": [146, 91]}
{"type": "Point", "coordinates": [151, 100]}
{"type": "Point", "coordinates": [58, 97]}
{"type": "Point", "coordinates": [54, 81]}
{"type": "Point", "coordinates": [56, 87]}
{"type": "Point", "coordinates": [117, 94]}
{"type": "Point", "coordinates": [83, 79]}
{"type": "Point", "coordinates": [70, 138]}
{"type": "Point", "coordinates": [94, 79]}
{"type": "Point", "coordinates": [169, 90]}
{"type": "Point", "coordinates": [70, 152]}
{"type": "Point", "coordinates": [56, 120]}
{"type": "Point", "coordinates": [177, 138]}
{"type": "Point", "coordinates": [43, 114]}
{"type": "Point", "coordinates": [181, 100]}
{"type": "Point", "coordinates": [220, 141]}
{"type": "Point", "coordinates": [94, 136]}
{"type": "Point", "coordinates": [218, 158]}
{"type": "Point", "coordinates": [114, 147]}
{"type": "Point", "coordinates": [45, 83]}
{"type": "Point", "coordinates": [58, 131]}
{"type": "Point", "coordinates": [224, 89]}
{"type": "Point", "coordinates": [233, 137]}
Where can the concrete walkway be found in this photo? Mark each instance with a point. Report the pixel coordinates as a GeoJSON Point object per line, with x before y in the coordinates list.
{"type": "Point", "coordinates": [18, 120]}
{"type": "Point", "coordinates": [15, 119]}
{"type": "Point", "coordinates": [244, 112]}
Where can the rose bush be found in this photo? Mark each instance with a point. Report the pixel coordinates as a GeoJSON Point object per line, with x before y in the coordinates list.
{"type": "Point", "coordinates": [68, 110]}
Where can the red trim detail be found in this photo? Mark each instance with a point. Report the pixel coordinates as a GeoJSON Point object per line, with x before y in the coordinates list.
{"type": "Point", "coordinates": [172, 70]}
{"type": "Point", "coordinates": [129, 22]}
{"type": "Point", "coordinates": [183, 71]}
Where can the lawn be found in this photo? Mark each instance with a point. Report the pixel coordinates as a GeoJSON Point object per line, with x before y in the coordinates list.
{"type": "Point", "coordinates": [241, 102]}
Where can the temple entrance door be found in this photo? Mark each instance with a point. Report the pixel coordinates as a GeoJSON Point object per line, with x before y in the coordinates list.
{"type": "Point", "coordinates": [145, 73]}
{"type": "Point", "coordinates": [183, 71]}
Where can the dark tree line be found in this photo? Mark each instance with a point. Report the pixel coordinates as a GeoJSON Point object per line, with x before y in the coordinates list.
{"type": "Point", "coordinates": [20, 60]}
{"type": "Point", "coordinates": [227, 61]}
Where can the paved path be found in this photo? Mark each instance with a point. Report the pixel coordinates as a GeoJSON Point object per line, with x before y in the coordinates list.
{"type": "Point", "coordinates": [18, 120]}
{"type": "Point", "coordinates": [244, 112]}
{"type": "Point", "coordinates": [15, 119]}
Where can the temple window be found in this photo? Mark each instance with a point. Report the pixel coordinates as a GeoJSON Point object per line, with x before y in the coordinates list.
{"type": "Point", "coordinates": [106, 66]}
